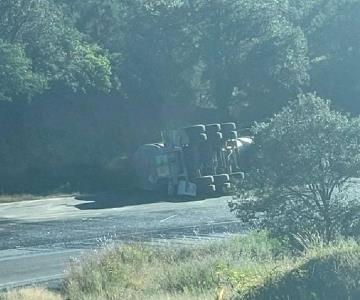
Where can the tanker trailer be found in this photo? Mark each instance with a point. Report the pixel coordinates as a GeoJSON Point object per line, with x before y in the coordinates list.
{"type": "Point", "coordinates": [198, 160]}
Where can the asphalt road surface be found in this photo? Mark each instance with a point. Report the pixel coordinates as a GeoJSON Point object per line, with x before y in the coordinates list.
{"type": "Point", "coordinates": [38, 238]}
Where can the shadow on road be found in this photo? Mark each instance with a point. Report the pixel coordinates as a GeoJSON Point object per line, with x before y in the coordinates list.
{"type": "Point", "coordinates": [128, 198]}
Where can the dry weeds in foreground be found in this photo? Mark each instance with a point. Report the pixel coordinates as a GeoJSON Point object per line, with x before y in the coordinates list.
{"type": "Point", "coordinates": [30, 294]}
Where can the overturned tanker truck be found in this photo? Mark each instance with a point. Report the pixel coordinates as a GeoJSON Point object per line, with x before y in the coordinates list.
{"type": "Point", "coordinates": [199, 160]}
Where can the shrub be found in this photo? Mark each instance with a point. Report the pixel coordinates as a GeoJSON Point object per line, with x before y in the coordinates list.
{"type": "Point", "coordinates": [330, 273]}
{"type": "Point", "coordinates": [305, 159]}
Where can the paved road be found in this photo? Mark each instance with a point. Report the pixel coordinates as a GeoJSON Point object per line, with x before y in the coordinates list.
{"type": "Point", "coordinates": [37, 238]}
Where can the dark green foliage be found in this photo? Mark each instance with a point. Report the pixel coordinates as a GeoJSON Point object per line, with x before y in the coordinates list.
{"type": "Point", "coordinates": [300, 181]}
{"type": "Point", "coordinates": [46, 48]}
{"type": "Point", "coordinates": [168, 63]}
{"type": "Point", "coordinates": [16, 75]}
{"type": "Point", "coordinates": [335, 53]}
{"type": "Point", "coordinates": [231, 54]}
{"type": "Point", "coordinates": [205, 53]}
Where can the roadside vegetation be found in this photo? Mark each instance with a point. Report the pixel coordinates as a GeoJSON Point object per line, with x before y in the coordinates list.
{"type": "Point", "coordinates": [330, 272]}
{"type": "Point", "coordinates": [16, 198]}
{"type": "Point", "coordinates": [141, 272]}
{"type": "Point", "coordinates": [303, 177]}
{"type": "Point", "coordinates": [249, 267]}
{"type": "Point", "coordinates": [11, 198]}
{"type": "Point", "coordinates": [32, 293]}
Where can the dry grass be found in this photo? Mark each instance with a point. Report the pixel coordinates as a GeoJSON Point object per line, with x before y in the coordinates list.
{"type": "Point", "coordinates": [17, 198]}
{"type": "Point", "coordinates": [28, 197]}
{"type": "Point", "coordinates": [31, 294]}
{"type": "Point", "coordinates": [182, 296]}
{"type": "Point", "coordinates": [251, 267]}
{"type": "Point", "coordinates": [42, 294]}
{"type": "Point", "coordinates": [140, 272]}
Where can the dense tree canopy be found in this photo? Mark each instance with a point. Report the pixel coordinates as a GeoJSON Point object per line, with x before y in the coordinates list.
{"type": "Point", "coordinates": [216, 53]}
{"type": "Point", "coordinates": [166, 63]}
{"type": "Point", "coordinates": [43, 51]}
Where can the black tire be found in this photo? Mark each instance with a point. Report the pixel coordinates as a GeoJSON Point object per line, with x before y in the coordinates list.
{"type": "Point", "coordinates": [224, 188]}
{"type": "Point", "coordinates": [203, 180]}
{"type": "Point", "coordinates": [198, 139]}
{"type": "Point", "coordinates": [221, 179]}
{"type": "Point", "coordinates": [215, 138]}
{"type": "Point", "coordinates": [212, 128]}
{"type": "Point", "coordinates": [226, 127]}
{"type": "Point", "coordinates": [211, 188]}
{"type": "Point", "coordinates": [231, 135]}
{"type": "Point", "coordinates": [194, 130]}
{"type": "Point", "coordinates": [226, 185]}
{"type": "Point", "coordinates": [237, 175]}
{"type": "Point", "coordinates": [207, 190]}
{"type": "Point", "coordinates": [202, 137]}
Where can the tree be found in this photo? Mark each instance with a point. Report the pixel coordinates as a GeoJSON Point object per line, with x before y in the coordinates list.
{"type": "Point", "coordinates": [252, 55]}
{"type": "Point", "coordinates": [218, 54]}
{"type": "Point", "coordinates": [335, 46]}
{"type": "Point", "coordinates": [16, 75]}
{"type": "Point", "coordinates": [150, 45]}
{"type": "Point", "coordinates": [48, 52]}
{"type": "Point", "coordinates": [305, 158]}
{"type": "Point", "coordinates": [331, 28]}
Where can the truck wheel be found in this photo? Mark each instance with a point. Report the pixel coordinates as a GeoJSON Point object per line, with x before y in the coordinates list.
{"type": "Point", "coordinates": [221, 179]}
{"type": "Point", "coordinates": [225, 187]}
{"type": "Point", "coordinates": [231, 135]}
{"type": "Point", "coordinates": [197, 139]}
{"type": "Point", "coordinates": [203, 180]}
{"type": "Point", "coordinates": [213, 128]}
{"type": "Point", "coordinates": [202, 137]}
{"type": "Point", "coordinates": [207, 190]}
{"type": "Point", "coordinates": [194, 130]}
{"type": "Point", "coordinates": [238, 175]}
{"type": "Point", "coordinates": [211, 188]}
{"type": "Point", "coordinates": [215, 138]}
{"type": "Point", "coordinates": [226, 127]}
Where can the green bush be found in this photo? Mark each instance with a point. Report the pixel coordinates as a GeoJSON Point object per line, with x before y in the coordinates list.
{"type": "Point", "coordinates": [301, 180]}
{"type": "Point", "coordinates": [330, 273]}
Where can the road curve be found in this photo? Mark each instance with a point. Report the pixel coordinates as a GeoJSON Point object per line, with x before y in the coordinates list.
{"type": "Point", "coordinates": [37, 238]}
